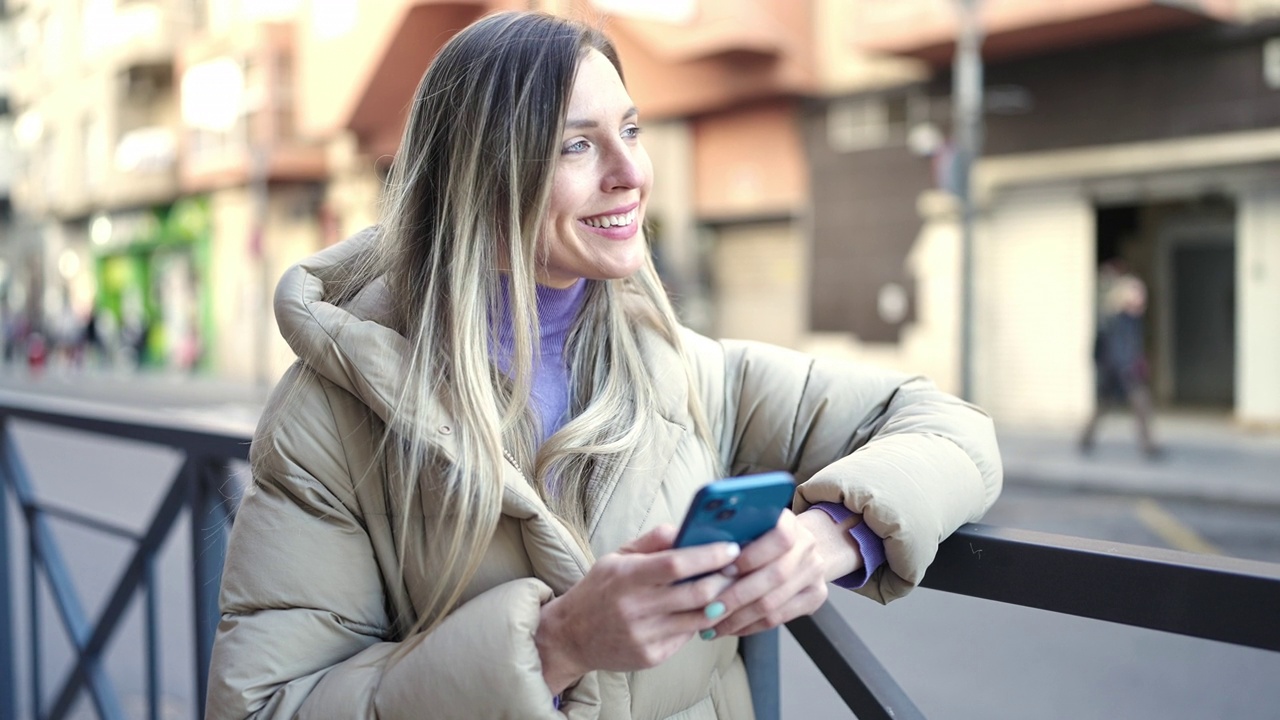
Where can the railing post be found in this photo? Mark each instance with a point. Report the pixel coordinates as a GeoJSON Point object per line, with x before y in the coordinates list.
{"type": "Point", "coordinates": [869, 689]}
{"type": "Point", "coordinates": [208, 551]}
{"type": "Point", "coordinates": [8, 662]}
{"type": "Point", "coordinates": [760, 653]}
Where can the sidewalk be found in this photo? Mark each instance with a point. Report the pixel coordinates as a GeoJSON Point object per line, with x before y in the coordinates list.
{"type": "Point", "coordinates": [1207, 457]}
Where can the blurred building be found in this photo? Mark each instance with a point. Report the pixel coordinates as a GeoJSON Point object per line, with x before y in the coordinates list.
{"type": "Point", "coordinates": [801, 151]}
{"type": "Point", "coordinates": [263, 181]}
{"type": "Point", "coordinates": [96, 122]}
{"type": "Point", "coordinates": [724, 87]}
{"type": "Point", "coordinates": [19, 249]}
{"type": "Point", "coordinates": [177, 156]}
{"type": "Point", "coordinates": [1134, 129]}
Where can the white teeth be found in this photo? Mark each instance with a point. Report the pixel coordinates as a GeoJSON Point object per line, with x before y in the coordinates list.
{"type": "Point", "coordinates": [604, 221]}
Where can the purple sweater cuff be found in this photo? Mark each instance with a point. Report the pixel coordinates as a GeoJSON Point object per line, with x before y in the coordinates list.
{"type": "Point", "coordinates": [869, 545]}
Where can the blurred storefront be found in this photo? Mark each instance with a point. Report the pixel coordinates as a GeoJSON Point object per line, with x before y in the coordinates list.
{"type": "Point", "coordinates": [154, 304]}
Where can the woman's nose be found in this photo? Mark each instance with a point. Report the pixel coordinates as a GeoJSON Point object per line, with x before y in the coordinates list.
{"type": "Point", "coordinates": [625, 170]}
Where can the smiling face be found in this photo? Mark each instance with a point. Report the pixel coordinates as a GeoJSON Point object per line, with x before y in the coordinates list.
{"type": "Point", "coordinates": [601, 186]}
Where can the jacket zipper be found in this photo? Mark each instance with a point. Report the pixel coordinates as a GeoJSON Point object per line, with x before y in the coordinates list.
{"type": "Point", "coordinates": [512, 459]}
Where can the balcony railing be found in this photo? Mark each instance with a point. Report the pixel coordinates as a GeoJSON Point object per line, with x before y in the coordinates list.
{"type": "Point", "coordinates": [1214, 598]}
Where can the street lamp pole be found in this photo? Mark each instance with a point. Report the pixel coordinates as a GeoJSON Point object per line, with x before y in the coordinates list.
{"type": "Point", "coordinates": [260, 203]}
{"type": "Point", "coordinates": [966, 120]}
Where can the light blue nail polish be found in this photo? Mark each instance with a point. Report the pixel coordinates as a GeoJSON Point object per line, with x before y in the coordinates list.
{"type": "Point", "coordinates": [707, 634]}
{"type": "Point", "coordinates": [714, 610]}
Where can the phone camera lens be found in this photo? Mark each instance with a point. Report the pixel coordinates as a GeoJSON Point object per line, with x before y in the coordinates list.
{"type": "Point", "coordinates": [725, 514]}
{"type": "Point", "coordinates": [715, 504]}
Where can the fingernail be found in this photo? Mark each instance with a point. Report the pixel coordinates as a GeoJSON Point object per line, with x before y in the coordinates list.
{"type": "Point", "coordinates": [714, 610]}
{"type": "Point", "coordinates": [729, 571]}
{"type": "Point", "coordinates": [734, 550]}
{"type": "Point", "coordinates": [708, 634]}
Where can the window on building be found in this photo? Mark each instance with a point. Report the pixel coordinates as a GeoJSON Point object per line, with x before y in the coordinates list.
{"type": "Point", "coordinates": [50, 172]}
{"type": "Point", "coordinates": [333, 18]}
{"type": "Point", "coordinates": [94, 134]}
{"type": "Point", "coordinates": [865, 123]}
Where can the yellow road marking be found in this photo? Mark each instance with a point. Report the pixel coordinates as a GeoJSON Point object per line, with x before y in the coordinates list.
{"type": "Point", "coordinates": [1171, 529]}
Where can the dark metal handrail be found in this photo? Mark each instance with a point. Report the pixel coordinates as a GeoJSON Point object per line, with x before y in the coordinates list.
{"type": "Point", "coordinates": [1210, 597]}
{"type": "Point", "coordinates": [1214, 598]}
{"type": "Point", "coordinates": [1205, 596]}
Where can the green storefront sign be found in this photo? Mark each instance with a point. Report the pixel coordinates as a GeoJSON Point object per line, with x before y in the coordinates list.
{"type": "Point", "coordinates": [153, 281]}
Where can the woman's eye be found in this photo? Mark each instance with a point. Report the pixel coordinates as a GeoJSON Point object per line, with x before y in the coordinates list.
{"type": "Point", "coordinates": [631, 132]}
{"type": "Point", "coordinates": [576, 147]}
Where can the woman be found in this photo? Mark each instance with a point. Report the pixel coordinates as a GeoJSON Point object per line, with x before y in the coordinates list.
{"type": "Point", "coordinates": [465, 488]}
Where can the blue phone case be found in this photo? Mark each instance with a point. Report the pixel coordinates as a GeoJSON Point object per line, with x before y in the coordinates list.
{"type": "Point", "coordinates": [738, 509]}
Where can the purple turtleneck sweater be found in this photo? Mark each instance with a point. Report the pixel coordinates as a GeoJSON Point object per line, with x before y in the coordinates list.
{"type": "Point", "coordinates": [557, 309]}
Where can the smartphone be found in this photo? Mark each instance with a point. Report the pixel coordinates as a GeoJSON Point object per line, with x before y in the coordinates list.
{"type": "Point", "coordinates": [738, 509]}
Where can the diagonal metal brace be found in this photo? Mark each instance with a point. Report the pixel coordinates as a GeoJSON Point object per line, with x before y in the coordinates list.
{"type": "Point", "coordinates": [852, 669]}
{"type": "Point", "coordinates": [134, 573]}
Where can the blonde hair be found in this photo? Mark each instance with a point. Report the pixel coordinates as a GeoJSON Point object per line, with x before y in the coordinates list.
{"type": "Point", "coordinates": [468, 194]}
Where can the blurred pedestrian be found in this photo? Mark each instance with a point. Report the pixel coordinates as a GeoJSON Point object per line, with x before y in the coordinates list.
{"type": "Point", "coordinates": [1120, 359]}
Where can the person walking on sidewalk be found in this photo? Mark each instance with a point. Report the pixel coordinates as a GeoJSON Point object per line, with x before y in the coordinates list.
{"type": "Point", "coordinates": [1120, 361]}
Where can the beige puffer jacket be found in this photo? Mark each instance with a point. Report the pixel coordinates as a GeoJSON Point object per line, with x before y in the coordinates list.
{"type": "Point", "coordinates": [313, 607]}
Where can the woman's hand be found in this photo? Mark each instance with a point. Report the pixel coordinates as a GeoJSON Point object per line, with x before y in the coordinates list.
{"type": "Point", "coordinates": [629, 613]}
{"type": "Point", "coordinates": [784, 574]}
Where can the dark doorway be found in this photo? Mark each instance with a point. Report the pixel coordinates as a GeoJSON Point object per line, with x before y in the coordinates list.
{"type": "Point", "coordinates": [1204, 323]}
{"type": "Point", "coordinates": [1184, 251]}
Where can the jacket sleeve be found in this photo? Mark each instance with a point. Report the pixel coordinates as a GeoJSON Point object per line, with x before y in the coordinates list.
{"type": "Point", "coordinates": [915, 462]}
{"type": "Point", "coordinates": [305, 630]}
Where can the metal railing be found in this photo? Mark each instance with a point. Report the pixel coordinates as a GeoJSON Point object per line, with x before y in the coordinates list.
{"type": "Point", "coordinates": [198, 487]}
{"type": "Point", "coordinates": [1209, 597]}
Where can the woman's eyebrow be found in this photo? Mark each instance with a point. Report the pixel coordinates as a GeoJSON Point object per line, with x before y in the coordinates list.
{"type": "Point", "coordinates": [583, 123]}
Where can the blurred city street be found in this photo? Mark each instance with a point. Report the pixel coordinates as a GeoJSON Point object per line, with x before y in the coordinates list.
{"type": "Point", "coordinates": [1045, 207]}
{"type": "Point", "coordinates": [1214, 491]}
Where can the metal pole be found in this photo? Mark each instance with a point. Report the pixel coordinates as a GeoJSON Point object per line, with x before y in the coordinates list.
{"type": "Point", "coordinates": [259, 131]}
{"type": "Point", "coordinates": [966, 113]}
{"type": "Point", "coordinates": [260, 199]}
{"type": "Point", "coordinates": [152, 601]}
{"type": "Point", "coordinates": [762, 655]}
{"type": "Point", "coordinates": [8, 658]}
{"type": "Point", "coordinates": [208, 553]}
{"type": "Point", "coordinates": [33, 600]}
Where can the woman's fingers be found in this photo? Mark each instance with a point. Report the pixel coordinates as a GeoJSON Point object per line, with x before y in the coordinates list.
{"type": "Point", "coordinates": [778, 575]}
{"type": "Point", "coordinates": [768, 547]}
{"type": "Point", "coordinates": [767, 564]}
{"type": "Point", "coordinates": [755, 598]}
{"type": "Point", "coordinates": [656, 540]}
{"type": "Point", "coordinates": [806, 602]}
{"type": "Point", "coordinates": [630, 613]}
{"type": "Point", "coordinates": [670, 566]}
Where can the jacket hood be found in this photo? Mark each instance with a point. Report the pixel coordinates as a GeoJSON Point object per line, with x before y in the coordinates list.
{"type": "Point", "coordinates": [355, 347]}
{"type": "Point", "coordinates": [352, 345]}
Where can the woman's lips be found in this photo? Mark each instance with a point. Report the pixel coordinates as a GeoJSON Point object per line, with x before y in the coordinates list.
{"type": "Point", "coordinates": [619, 224]}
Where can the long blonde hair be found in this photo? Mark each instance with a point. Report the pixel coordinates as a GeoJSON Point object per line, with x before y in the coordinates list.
{"type": "Point", "coordinates": [468, 194]}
